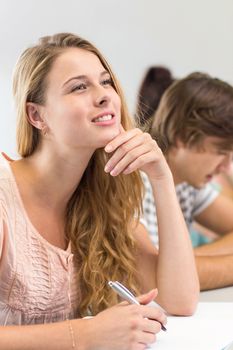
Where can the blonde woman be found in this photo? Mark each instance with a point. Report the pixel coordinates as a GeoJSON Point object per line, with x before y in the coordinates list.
{"type": "Point", "coordinates": [69, 210]}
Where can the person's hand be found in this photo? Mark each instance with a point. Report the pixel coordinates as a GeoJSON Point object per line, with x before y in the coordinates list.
{"type": "Point", "coordinates": [134, 150]}
{"type": "Point", "coordinates": [124, 326]}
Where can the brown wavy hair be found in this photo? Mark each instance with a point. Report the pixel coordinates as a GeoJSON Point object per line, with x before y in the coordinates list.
{"type": "Point", "coordinates": [191, 109]}
{"type": "Point", "coordinates": [100, 212]}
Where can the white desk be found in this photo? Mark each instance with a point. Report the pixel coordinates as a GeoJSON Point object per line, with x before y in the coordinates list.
{"type": "Point", "coordinates": [210, 328]}
{"type": "Point", "coordinates": [219, 295]}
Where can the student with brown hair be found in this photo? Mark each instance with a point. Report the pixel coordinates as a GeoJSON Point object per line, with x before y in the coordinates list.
{"type": "Point", "coordinates": [70, 209]}
{"type": "Point", "coordinates": [155, 82]}
{"type": "Point", "coordinates": [193, 125]}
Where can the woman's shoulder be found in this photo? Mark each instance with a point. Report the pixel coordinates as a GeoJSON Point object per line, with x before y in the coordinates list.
{"type": "Point", "coordinates": [5, 178]}
{"type": "Point", "coordinates": [4, 165]}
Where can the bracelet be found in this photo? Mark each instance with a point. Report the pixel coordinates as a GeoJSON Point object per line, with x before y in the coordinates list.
{"type": "Point", "coordinates": [71, 331]}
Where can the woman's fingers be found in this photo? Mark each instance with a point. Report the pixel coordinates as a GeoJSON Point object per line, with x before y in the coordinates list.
{"type": "Point", "coordinates": [146, 338]}
{"type": "Point", "coordinates": [146, 298]}
{"type": "Point", "coordinates": [147, 330]}
{"type": "Point", "coordinates": [152, 326]}
{"type": "Point", "coordinates": [120, 139]}
{"type": "Point", "coordinates": [152, 313]}
{"type": "Point", "coordinates": [130, 324]}
{"type": "Point", "coordinates": [155, 314]}
{"type": "Point", "coordinates": [132, 150]}
{"type": "Point", "coordinates": [139, 162]}
{"type": "Point", "coordinates": [131, 161]}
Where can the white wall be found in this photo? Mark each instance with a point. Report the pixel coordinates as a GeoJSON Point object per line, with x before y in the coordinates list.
{"type": "Point", "coordinates": [133, 34]}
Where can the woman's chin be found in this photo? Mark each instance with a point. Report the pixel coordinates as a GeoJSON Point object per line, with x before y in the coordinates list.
{"type": "Point", "coordinates": [110, 137]}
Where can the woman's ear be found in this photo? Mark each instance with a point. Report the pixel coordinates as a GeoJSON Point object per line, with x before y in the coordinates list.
{"type": "Point", "coordinates": [33, 111]}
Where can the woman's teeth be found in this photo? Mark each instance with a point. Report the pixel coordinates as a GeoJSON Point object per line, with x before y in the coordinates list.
{"type": "Point", "coordinates": [103, 118]}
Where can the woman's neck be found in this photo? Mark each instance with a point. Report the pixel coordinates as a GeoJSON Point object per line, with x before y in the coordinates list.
{"type": "Point", "coordinates": [49, 177]}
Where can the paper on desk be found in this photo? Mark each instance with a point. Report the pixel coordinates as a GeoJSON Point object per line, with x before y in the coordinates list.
{"type": "Point", "coordinates": [211, 328]}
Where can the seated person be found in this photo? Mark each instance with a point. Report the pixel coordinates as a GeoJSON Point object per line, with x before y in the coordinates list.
{"type": "Point", "coordinates": [193, 125]}
{"type": "Point", "coordinates": [155, 82]}
{"type": "Point", "coordinates": [70, 207]}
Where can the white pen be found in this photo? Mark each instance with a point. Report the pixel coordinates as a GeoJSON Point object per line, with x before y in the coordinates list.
{"type": "Point", "coordinates": [125, 294]}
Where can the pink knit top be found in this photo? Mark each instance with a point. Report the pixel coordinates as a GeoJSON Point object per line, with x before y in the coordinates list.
{"type": "Point", "coordinates": [38, 283]}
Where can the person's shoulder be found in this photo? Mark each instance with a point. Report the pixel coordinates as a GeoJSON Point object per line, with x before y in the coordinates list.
{"type": "Point", "coordinates": [4, 166]}
{"type": "Point", "coordinates": [208, 190]}
{"type": "Point", "coordinates": [204, 197]}
{"type": "Point", "coordinates": [185, 190]}
{"type": "Point", "coordinates": [5, 177]}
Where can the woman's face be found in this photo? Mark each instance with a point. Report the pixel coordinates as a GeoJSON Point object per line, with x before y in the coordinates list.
{"type": "Point", "coordinates": [82, 109]}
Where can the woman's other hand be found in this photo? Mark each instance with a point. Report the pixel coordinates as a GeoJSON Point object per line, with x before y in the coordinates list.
{"type": "Point", "coordinates": [124, 326]}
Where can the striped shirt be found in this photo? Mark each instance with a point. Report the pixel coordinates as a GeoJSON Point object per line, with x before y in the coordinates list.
{"type": "Point", "coordinates": [192, 202]}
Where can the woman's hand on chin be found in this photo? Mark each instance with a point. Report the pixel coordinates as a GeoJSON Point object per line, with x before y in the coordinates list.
{"type": "Point", "coordinates": [135, 150]}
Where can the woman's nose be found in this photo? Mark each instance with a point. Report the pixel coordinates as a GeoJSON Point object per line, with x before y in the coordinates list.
{"type": "Point", "coordinates": [102, 97]}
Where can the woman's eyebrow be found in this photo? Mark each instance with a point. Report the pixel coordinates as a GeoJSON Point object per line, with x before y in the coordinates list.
{"type": "Point", "coordinates": [84, 77]}
{"type": "Point", "coordinates": [79, 77]}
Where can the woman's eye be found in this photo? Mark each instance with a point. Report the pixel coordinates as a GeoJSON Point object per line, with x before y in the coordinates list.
{"type": "Point", "coordinates": [79, 87]}
{"type": "Point", "coordinates": [107, 82]}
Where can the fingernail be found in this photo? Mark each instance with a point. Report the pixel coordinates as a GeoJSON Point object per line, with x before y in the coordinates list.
{"type": "Point", "coordinates": [107, 168]}
{"type": "Point", "coordinates": [113, 172]}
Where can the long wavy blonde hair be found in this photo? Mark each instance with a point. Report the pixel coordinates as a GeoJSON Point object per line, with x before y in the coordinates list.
{"type": "Point", "coordinates": [100, 212]}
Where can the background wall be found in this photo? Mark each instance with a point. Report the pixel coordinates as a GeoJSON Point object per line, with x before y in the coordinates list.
{"type": "Point", "coordinates": [185, 35]}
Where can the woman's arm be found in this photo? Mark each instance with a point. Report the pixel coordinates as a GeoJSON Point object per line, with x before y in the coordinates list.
{"type": "Point", "coordinates": [39, 337]}
{"type": "Point", "coordinates": [173, 270]}
{"type": "Point", "coordinates": [122, 327]}
{"type": "Point", "coordinates": [177, 277]}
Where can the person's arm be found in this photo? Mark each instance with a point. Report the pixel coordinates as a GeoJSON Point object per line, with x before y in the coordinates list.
{"type": "Point", "coordinates": [215, 260]}
{"type": "Point", "coordinates": [215, 271]}
{"type": "Point", "coordinates": [39, 337]}
{"type": "Point", "coordinates": [218, 217]}
{"type": "Point", "coordinates": [174, 273]}
{"type": "Point", "coordinates": [220, 246]}
{"type": "Point", "coordinates": [173, 270]}
{"type": "Point", "coordinates": [215, 263]}
{"type": "Point", "coordinates": [122, 327]}
{"type": "Point", "coordinates": [176, 259]}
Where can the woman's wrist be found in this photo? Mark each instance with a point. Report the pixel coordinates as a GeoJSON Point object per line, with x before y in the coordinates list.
{"type": "Point", "coordinates": [71, 332]}
{"type": "Point", "coordinates": [162, 180]}
{"type": "Point", "coordinates": [82, 334]}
